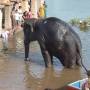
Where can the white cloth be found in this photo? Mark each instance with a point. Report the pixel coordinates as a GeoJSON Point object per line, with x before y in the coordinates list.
{"type": "Point", "coordinates": [20, 14]}
{"type": "Point", "coordinates": [5, 35]}
{"type": "Point", "coordinates": [5, 39]}
{"type": "Point", "coordinates": [17, 16]}
{"type": "Point", "coordinates": [20, 11]}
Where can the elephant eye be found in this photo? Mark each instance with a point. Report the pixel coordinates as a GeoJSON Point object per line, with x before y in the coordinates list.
{"type": "Point", "coordinates": [45, 22]}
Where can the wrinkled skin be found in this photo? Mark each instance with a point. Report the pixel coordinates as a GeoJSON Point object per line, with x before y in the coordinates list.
{"type": "Point", "coordinates": [56, 38]}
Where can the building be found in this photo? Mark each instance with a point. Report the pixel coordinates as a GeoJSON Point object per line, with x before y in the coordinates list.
{"type": "Point", "coordinates": [3, 3]}
{"type": "Point", "coordinates": [6, 6]}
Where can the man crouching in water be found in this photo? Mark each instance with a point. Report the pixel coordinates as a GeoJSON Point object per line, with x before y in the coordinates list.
{"type": "Point", "coordinates": [4, 35]}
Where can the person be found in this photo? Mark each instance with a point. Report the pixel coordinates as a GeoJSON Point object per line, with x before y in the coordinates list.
{"type": "Point", "coordinates": [29, 14]}
{"type": "Point", "coordinates": [86, 85]}
{"type": "Point", "coordinates": [17, 18]}
{"type": "Point", "coordinates": [25, 15]}
{"type": "Point", "coordinates": [45, 6]}
{"type": "Point", "coordinates": [13, 19]}
{"type": "Point", "coordinates": [20, 13]}
{"type": "Point", "coordinates": [13, 11]}
{"type": "Point", "coordinates": [41, 13]}
{"type": "Point", "coordinates": [4, 35]}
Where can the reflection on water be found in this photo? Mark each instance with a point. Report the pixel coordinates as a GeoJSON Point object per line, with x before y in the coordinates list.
{"type": "Point", "coordinates": [39, 78]}
{"type": "Point", "coordinates": [15, 74]}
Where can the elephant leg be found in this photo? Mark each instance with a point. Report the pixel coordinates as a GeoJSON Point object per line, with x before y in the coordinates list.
{"type": "Point", "coordinates": [71, 55]}
{"type": "Point", "coordinates": [26, 45]}
{"type": "Point", "coordinates": [61, 59]}
{"type": "Point", "coordinates": [78, 56]}
{"type": "Point", "coordinates": [45, 54]}
{"type": "Point", "coordinates": [78, 59]}
{"type": "Point", "coordinates": [69, 60]}
{"type": "Point", "coordinates": [65, 58]}
{"type": "Point", "coordinates": [46, 57]}
{"type": "Point", "coordinates": [51, 57]}
{"type": "Point", "coordinates": [71, 63]}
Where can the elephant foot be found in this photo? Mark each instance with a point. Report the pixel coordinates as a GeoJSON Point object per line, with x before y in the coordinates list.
{"type": "Point", "coordinates": [47, 89]}
{"type": "Point", "coordinates": [46, 66]}
{"type": "Point", "coordinates": [70, 66]}
{"type": "Point", "coordinates": [27, 59]}
{"type": "Point", "coordinates": [78, 63]}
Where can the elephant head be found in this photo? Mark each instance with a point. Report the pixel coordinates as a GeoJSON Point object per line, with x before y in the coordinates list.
{"type": "Point", "coordinates": [29, 29]}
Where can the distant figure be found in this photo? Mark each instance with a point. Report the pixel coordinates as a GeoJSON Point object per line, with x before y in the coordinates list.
{"type": "Point", "coordinates": [15, 6]}
{"type": "Point", "coordinates": [4, 35]}
{"type": "Point", "coordinates": [20, 13]}
{"type": "Point", "coordinates": [29, 13]}
{"type": "Point", "coordinates": [25, 15]}
{"type": "Point", "coordinates": [41, 13]}
{"type": "Point", "coordinates": [45, 6]}
{"type": "Point", "coordinates": [13, 18]}
{"type": "Point", "coordinates": [17, 18]}
{"type": "Point", "coordinates": [13, 11]}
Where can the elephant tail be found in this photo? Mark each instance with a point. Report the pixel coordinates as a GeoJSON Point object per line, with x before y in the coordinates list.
{"type": "Point", "coordinates": [83, 65]}
{"type": "Point", "coordinates": [79, 52]}
{"type": "Point", "coordinates": [87, 71]}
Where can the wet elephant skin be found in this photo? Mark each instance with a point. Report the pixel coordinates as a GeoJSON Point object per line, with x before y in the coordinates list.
{"type": "Point", "coordinates": [56, 38]}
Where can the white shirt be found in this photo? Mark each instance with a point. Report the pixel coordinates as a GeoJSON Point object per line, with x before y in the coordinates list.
{"type": "Point", "coordinates": [5, 36]}
{"type": "Point", "coordinates": [17, 16]}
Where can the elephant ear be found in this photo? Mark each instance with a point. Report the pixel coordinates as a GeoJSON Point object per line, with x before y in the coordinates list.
{"type": "Point", "coordinates": [29, 23]}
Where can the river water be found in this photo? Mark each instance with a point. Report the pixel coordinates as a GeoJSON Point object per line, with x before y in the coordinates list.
{"type": "Point", "coordinates": [15, 74]}
{"type": "Point", "coordinates": [67, 10]}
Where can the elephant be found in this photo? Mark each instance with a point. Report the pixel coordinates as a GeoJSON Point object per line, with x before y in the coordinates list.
{"type": "Point", "coordinates": [56, 38]}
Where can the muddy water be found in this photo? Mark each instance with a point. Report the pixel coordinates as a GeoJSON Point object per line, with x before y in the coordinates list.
{"type": "Point", "coordinates": [16, 74]}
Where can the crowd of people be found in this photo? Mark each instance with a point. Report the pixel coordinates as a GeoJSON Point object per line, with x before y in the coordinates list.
{"type": "Point", "coordinates": [27, 14]}
{"type": "Point", "coordinates": [17, 16]}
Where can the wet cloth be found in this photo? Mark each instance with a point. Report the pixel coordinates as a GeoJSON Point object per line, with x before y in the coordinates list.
{"type": "Point", "coordinates": [4, 36]}
{"type": "Point", "coordinates": [20, 14]}
{"type": "Point", "coordinates": [17, 16]}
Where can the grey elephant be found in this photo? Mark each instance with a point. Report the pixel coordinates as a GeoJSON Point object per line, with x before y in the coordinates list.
{"type": "Point", "coordinates": [56, 38]}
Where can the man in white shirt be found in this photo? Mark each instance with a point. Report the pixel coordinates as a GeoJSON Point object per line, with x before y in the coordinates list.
{"type": "Point", "coordinates": [17, 17]}
{"type": "Point", "coordinates": [20, 13]}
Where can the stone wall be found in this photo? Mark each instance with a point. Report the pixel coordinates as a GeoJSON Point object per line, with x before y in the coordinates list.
{"type": "Point", "coordinates": [0, 19]}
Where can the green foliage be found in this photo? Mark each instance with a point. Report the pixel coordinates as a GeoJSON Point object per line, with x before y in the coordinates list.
{"type": "Point", "coordinates": [88, 20]}
{"type": "Point", "coordinates": [74, 21]}
{"type": "Point", "coordinates": [79, 22]}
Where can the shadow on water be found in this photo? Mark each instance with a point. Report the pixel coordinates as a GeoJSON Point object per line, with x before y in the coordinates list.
{"type": "Point", "coordinates": [34, 74]}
